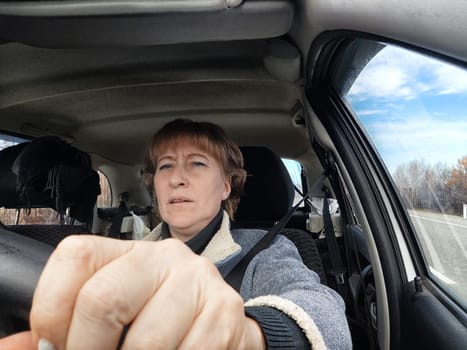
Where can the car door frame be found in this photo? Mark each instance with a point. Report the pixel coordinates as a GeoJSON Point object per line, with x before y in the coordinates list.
{"type": "Point", "coordinates": [420, 315]}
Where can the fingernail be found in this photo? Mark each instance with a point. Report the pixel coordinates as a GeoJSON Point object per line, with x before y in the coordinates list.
{"type": "Point", "coordinates": [44, 344]}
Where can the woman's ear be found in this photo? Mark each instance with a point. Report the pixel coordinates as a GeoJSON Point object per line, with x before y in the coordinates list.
{"type": "Point", "coordinates": [227, 188]}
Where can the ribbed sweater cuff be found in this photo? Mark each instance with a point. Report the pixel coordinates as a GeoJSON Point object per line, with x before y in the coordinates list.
{"type": "Point", "coordinates": [280, 332]}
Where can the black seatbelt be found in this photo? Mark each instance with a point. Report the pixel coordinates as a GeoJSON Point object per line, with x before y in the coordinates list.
{"type": "Point", "coordinates": [337, 267]}
{"type": "Point", "coordinates": [235, 276]}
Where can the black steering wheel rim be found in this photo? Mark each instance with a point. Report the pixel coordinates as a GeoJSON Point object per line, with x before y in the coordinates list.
{"type": "Point", "coordinates": [22, 260]}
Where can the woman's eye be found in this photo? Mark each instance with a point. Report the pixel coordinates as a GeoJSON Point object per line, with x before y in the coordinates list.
{"type": "Point", "coordinates": [164, 166]}
{"type": "Point", "coordinates": [198, 164]}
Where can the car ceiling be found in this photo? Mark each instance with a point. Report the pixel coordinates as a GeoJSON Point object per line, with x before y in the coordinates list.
{"type": "Point", "coordinates": [110, 101]}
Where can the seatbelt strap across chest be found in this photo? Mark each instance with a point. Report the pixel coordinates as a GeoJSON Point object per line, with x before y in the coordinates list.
{"type": "Point", "coordinates": [235, 276]}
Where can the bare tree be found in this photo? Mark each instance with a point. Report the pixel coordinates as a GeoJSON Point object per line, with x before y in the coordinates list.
{"type": "Point", "coordinates": [424, 186]}
{"type": "Point", "coordinates": [458, 184]}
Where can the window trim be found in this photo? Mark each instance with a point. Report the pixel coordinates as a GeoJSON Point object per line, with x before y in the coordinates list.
{"type": "Point", "coordinates": [436, 283]}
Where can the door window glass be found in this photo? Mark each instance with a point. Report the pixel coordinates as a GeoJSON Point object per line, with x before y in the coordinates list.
{"type": "Point", "coordinates": [295, 171]}
{"type": "Point", "coordinates": [105, 198]}
{"type": "Point", "coordinates": [413, 108]}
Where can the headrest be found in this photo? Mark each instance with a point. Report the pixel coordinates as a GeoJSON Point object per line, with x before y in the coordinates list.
{"type": "Point", "coordinates": [268, 192]}
{"type": "Point", "coordinates": [48, 172]}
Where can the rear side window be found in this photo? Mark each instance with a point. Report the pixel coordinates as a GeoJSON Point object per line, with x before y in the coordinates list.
{"type": "Point", "coordinates": [295, 170]}
{"type": "Point", "coordinates": [413, 108]}
{"type": "Point", "coordinates": [10, 140]}
{"type": "Point", "coordinates": [104, 200]}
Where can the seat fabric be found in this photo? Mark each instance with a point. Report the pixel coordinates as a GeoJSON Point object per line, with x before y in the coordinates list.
{"type": "Point", "coordinates": [267, 197]}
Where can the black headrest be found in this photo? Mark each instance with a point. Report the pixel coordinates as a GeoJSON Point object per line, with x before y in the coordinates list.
{"type": "Point", "coordinates": [268, 192]}
{"type": "Point", "coordinates": [48, 172]}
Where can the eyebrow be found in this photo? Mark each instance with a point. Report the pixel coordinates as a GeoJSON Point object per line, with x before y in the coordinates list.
{"type": "Point", "coordinates": [190, 155]}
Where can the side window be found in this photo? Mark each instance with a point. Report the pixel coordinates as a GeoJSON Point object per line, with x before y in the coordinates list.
{"type": "Point", "coordinates": [295, 171]}
{"type": "Point", "coordinates": [104, 200]}
{"type": "Point", "coordinates": [413, 109]}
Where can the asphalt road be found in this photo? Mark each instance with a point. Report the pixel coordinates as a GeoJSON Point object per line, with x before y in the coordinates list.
{"type": "Point", "coordinates": [444, 239]}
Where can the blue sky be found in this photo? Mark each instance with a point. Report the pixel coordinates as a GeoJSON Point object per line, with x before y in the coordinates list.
{"type": "Point", "coordinates": [413, 107]}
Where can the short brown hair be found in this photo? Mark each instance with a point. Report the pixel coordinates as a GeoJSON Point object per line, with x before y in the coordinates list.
{"type": "Point", "coordinates": [212, 139]}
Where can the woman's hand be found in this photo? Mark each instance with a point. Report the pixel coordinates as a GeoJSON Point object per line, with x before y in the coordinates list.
{"type": "Point", "coordinates": [19, 341]}
{"type": "Point", "coordinates": [172, 299]}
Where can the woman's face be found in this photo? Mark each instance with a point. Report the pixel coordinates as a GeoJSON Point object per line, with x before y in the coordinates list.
{"type": "Point", "coordinates": [190, 186]}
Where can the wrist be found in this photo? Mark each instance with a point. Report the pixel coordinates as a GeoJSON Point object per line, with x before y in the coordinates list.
{"type": "Point", "coordinates": [254, 338]}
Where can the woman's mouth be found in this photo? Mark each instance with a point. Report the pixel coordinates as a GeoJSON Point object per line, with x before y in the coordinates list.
{"type": "Point", "coordinates": [179, 200]}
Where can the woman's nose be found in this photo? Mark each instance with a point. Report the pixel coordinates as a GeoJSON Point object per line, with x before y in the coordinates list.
{"type": "Point", "coordinates": [178, 176]}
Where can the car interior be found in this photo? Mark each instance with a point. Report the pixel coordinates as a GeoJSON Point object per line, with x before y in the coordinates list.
{"type": "Point", "coordinates": [85, 84]}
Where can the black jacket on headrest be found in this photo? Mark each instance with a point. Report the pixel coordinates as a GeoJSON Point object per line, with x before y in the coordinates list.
{"type": "Point", "coordinates": [48, 172]}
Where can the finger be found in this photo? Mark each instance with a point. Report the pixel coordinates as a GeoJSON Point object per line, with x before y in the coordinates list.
{"type": "Point", "coordinates": [170, 314]}
{"type": "Point", "coordinates": [19, 341]}
{"type": "Point", "coordinates": [74, 261]}
{"type": "Point", "coordinates": [117, 293]}
{"type": "Point", "coordinates": [163, 322]}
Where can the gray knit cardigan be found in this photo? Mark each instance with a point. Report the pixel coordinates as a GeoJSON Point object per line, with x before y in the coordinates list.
{"type": "Point", "coordinates": [277, 278]}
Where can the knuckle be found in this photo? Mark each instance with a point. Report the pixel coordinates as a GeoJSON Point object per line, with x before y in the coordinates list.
{"type": "Point", "coordinates": [172, 245]}
{"type": "Point", "coordinates": [232, 303]}
{"type": "Point", "coordinates": [75, 247]}
{"type": "Point", "coordinates": [203, 271]}
{"type": "Point", "coordinates": [202, 262]}
{"type": "Point", "coordinates": [170, 250]}
{"type": "Point", "coordinates": [237, 301]}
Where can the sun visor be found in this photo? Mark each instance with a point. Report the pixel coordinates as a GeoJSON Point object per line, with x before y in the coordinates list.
{"type": "Point", "coordinates": [140, 23]}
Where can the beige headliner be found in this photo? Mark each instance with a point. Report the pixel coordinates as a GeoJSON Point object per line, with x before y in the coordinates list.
{"type": "Point", "coordinates": [109, 102]}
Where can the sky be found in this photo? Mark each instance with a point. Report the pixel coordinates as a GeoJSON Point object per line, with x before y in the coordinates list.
{"type": "Point", "coordinates": [413, 107]}
{"type": "Point", "coordinates": [295, 171]}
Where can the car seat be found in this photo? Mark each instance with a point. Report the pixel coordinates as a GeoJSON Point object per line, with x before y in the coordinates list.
{"type": "Point", "coordinates": [49, 173]}
{"type": "Point", "coordinates": [267, 197]}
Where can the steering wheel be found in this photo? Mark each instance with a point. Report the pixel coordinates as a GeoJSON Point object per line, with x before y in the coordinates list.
{"type": "Point", "coordinates": [22, 260]}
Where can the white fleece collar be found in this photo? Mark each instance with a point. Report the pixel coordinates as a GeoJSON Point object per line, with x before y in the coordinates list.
{"type": "Point", "coordinates": [220, 247]}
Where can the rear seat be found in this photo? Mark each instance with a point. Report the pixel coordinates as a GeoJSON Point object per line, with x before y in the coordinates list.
{"type": "Point", "coordinates": [49, 173]}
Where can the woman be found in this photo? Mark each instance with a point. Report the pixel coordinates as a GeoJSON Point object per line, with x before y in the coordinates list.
{"type": "Point", "coordinates": [171, 292]}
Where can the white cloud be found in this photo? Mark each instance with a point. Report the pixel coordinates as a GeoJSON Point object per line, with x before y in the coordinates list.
{"type": "Point", "coordinates": [451, 79]}
{"type": "Point", "coordinates": [382, 81]}
{"type": "Point", "coordinates": [420, 137]}
{"type": "Point", "coordinates": [403, 130]}
{"type": "Point", "coordinates": [370, 111]}
{"type": "Point", "coordinates": [396, 73]}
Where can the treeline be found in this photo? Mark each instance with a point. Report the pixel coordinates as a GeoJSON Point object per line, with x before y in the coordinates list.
{"type": "Point", "coordinates": [437, 187]}
{"type": "Point", "coordinates": [35, 216]}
